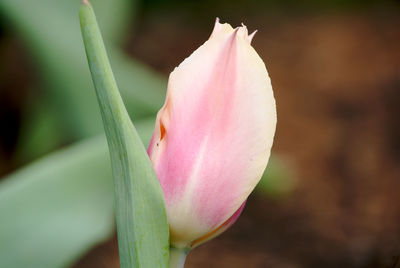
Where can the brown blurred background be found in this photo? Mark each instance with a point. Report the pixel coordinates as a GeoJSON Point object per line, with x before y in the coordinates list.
{"type": "Point", "coordinates": [335, 69]}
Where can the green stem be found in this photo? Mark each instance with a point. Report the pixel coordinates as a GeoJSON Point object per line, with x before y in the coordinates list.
{"type": "Point", "coordinates": [177, 257]}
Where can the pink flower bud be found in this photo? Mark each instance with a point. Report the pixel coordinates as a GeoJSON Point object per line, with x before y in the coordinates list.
{"type": "Point", "coordinates": [213, 136]}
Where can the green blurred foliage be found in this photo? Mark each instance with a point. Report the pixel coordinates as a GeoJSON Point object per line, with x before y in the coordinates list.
{"type": "Point", "coordinates": [279, 178]}
{"type": "Point", "coordinates": [68, 107]}
{"type": "Point", "coordinates": [57, 208]}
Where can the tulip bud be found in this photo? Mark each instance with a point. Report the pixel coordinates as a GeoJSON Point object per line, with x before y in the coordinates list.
{"type": "Point", "coordinates": [213, 136]}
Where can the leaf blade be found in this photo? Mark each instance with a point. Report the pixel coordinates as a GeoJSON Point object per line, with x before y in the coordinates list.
{"type": "Point", "coordinates": [140, 211]}
{"type": "Point", "coordinates": [58, 207]}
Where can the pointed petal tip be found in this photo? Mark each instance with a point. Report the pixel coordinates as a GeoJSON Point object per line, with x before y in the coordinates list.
{"type": "Point", "coordinates": [226, 28]}
{"type": "Point", "coordinates": [251, 36]}
{"type": "Point", "coordinates": [217, 27]}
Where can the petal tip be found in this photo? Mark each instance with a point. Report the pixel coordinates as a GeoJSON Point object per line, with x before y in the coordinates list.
{"type": "Point", "coordinates": [251, 36]}
{"type": "Point", "coordinates": [220, 28]}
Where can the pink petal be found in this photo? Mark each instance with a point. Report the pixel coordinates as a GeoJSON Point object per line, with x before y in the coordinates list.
{"type": "Point", "coordinates": [213, 135]}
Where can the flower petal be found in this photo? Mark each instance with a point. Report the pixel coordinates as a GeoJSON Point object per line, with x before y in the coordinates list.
{"type": "Point", "coordinates": [213, 135]}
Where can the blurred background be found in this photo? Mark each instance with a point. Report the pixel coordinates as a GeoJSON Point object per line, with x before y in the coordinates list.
{"type": "Point", "coordinates": [331, 193]}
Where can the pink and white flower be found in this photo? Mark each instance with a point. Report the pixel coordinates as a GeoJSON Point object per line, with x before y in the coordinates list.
{"type": "Point", "coordinates": [213, 136]}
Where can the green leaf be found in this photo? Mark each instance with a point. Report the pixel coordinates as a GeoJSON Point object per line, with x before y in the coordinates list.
{"type": "Point", "coordinates": [41, 131]}
{"type": "Point", "coordinates": [50, 32]}
{"type": "Point", "coordinates": [57, 208]}
{"type": "Point", "coordinates": [140, 211]}
{"type": "Point", "coordinates": [54, 210]}
{"type": "Point", "coordinates": [278, 179]}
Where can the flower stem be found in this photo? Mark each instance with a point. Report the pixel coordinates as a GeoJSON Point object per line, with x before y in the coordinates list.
{"type": "Point", "coordinates": [177, 257]}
